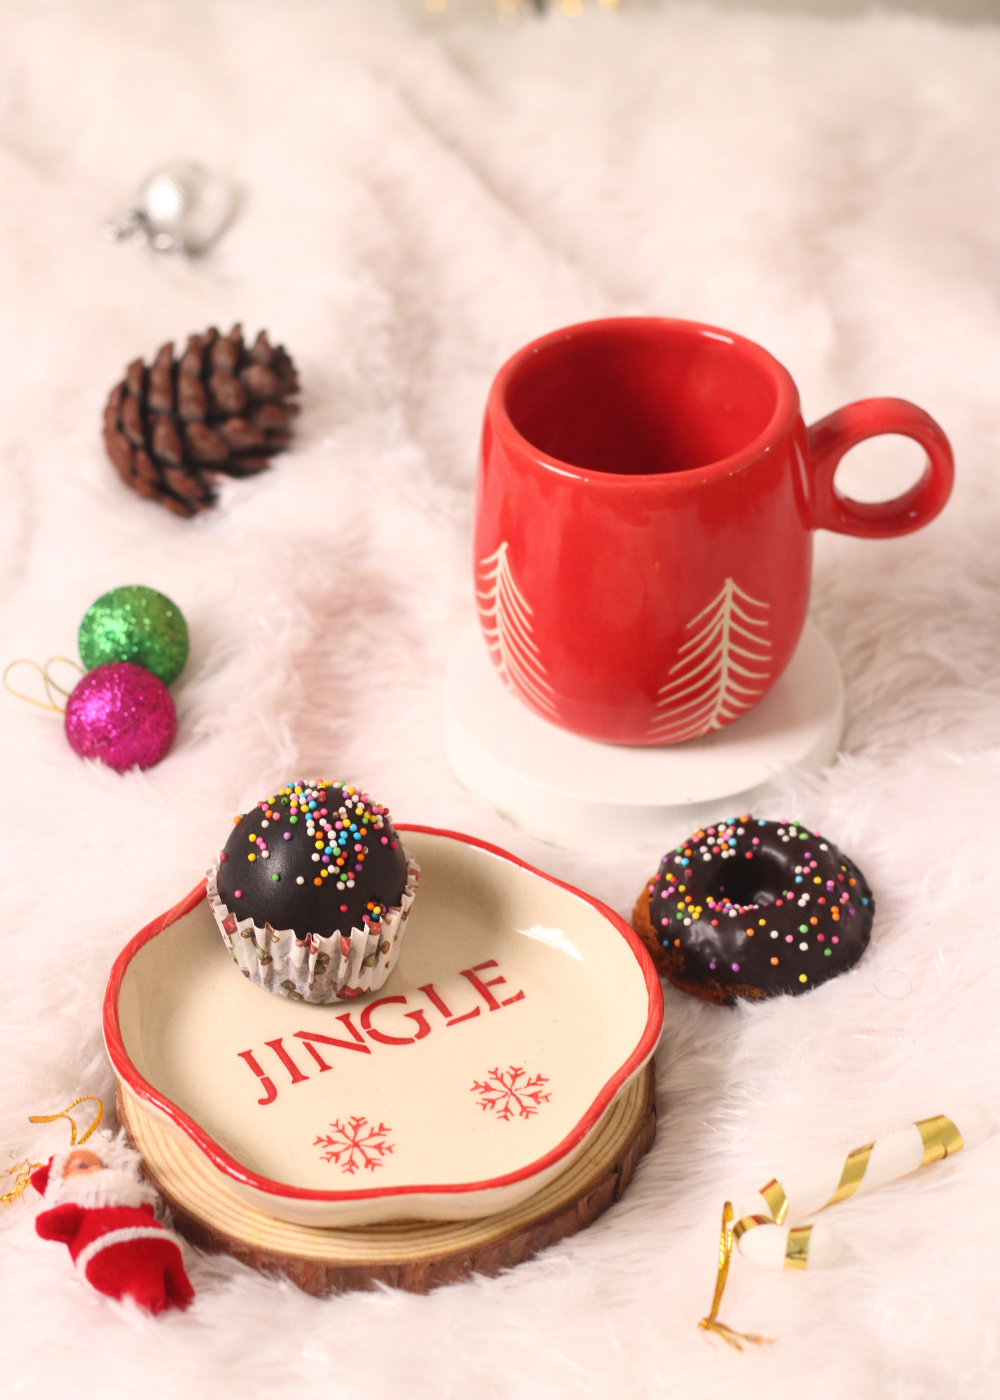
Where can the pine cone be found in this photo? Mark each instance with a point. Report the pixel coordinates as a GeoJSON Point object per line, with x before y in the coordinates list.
{"type": "Point", "coordinates": [219, 408]}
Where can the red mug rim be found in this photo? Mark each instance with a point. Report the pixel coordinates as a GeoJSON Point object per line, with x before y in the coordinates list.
{"type": "Point", "coordinates": [786, 407]}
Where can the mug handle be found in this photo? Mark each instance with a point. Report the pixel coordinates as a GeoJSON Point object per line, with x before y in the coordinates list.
{"type": "Point", "coordinates": [834, 436]}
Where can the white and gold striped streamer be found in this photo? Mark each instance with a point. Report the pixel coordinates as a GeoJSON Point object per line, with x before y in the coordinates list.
{"type": "Point", "coordinates": [772, 1231]}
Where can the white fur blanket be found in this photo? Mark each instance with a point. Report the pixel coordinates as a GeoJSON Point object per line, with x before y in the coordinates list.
{"type": "Point", "coordinates": [420, 197]}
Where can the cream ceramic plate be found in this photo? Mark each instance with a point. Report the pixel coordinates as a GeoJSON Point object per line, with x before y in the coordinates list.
{"type": "Point", "coordinates": [518, 1009]}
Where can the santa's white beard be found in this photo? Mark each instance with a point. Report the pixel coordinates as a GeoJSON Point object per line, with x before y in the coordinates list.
{"type": "Point", "coordinates": [109, 1187]}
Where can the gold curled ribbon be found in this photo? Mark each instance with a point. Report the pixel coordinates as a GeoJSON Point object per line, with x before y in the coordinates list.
{"type": "Point", "coordinates": [52, 1118]}
{"type": "Point", "coordinates": [777, 1201]}
{"type": "Point", "coordinates": [21, 1172]}
{"type": "Point", "coordinates": [850, 1178]}
{"type": "Point", "coordinates": [940, 1138]}
{"type": "Point", "coordinates": [47, 681]}
{"type": "Point", "coordinates": [797, 1247]}
{"type": "Point", "coordinates": [711, 1323]}
{"type": "Point", "coordinates": [748, 1222]}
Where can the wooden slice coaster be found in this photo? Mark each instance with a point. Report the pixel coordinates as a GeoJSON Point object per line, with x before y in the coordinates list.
{"type": "Point", "coordinates": [416, 1255]}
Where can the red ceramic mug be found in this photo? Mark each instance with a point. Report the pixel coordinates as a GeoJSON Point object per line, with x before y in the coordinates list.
{"type": "Point", "coordinates": [645, 501]}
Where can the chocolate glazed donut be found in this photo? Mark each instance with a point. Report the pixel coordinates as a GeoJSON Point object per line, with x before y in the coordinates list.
{"type": "Point", "coordinates": [754, 908]}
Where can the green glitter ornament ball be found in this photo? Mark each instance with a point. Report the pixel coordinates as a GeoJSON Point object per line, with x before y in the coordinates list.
{"type": "Point", "coordinates": [135, 624]}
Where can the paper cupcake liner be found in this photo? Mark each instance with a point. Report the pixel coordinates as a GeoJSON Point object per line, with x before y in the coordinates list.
{"type": "Point", "coordinates": [315, 969]}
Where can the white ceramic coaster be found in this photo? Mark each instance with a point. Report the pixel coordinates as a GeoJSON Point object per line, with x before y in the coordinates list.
{"type": "Point", "coordinates": [586, 795]}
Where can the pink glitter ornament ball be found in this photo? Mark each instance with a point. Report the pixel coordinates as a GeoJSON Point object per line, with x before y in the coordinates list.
{"type": "Point", "coordinates": [121, 714]}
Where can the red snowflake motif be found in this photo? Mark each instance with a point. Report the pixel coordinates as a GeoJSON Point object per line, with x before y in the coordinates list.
{"type": "Point", "coordinates": [505, 1092]}
{"type": "Point", "coordinates": [351, 1146]}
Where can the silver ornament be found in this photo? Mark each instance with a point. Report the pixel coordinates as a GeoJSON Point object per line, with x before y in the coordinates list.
{"type": "Point", "coordinates": [182, 207]}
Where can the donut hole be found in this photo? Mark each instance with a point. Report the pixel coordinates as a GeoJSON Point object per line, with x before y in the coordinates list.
{"type": "Point", "coordinates": [759, 881]}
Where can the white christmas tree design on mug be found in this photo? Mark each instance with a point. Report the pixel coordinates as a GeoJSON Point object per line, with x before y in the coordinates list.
{"type": "Point", "coordinates": [505, 614]}
{"type": "Point", "coordinates": [721, 671]}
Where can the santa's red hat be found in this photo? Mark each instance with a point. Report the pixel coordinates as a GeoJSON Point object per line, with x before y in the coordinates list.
{"type": "Point", "coordinates": [118, 1183]}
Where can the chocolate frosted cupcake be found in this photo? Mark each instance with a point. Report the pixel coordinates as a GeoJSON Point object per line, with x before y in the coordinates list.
{"type": "Point", "coordinates": [312, 892]}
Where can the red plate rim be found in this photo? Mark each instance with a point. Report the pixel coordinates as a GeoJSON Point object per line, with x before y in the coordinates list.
{"type": "Point", "coordinates": [142, 1089]}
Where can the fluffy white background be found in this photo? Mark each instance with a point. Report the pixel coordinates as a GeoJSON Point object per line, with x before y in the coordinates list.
{"type": "Point", "coordinates": [419, 199]}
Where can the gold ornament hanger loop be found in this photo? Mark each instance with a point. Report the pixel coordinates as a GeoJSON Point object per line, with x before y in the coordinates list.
{"type": "Point", "coordinates": [52, 1118]}
{"type": "Point", "coordinates": [21, 1171]}
{"type": "Point", "coordinates": [47, 681]}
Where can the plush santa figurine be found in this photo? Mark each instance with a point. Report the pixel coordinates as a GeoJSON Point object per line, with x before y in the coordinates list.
{"type": "Point", "coordinates": [98, 1205]}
